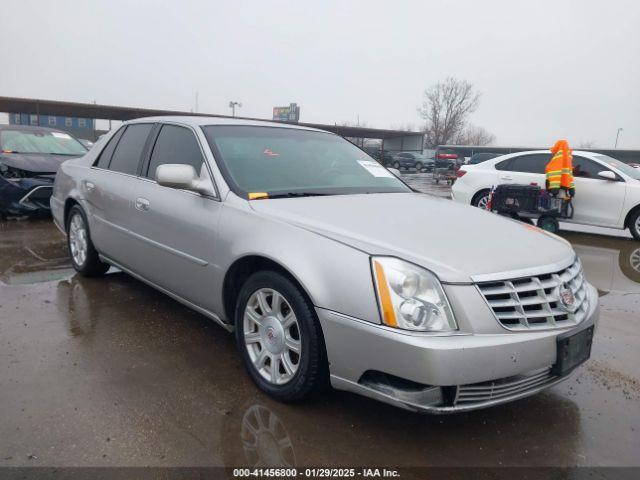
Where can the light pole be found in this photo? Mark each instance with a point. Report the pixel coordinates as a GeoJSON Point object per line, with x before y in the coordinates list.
{"type": "Point", "coordinates": [617, 135]}
{"type": "Point", "coordinates": [232, 106]}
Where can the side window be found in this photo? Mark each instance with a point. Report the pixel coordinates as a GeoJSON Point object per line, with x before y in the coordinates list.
{"type": "Point", "coordinates": [533, 163]}
{"type": "Point", "coordinates": [504, 165]}
{"type": "Point", "coordinates": [175, 145]}
{"type": "Point", "coordinates": [585, 168]}
{"type": "Point", "coordinates": [126, 157]}
{"type": "Point", "coordinates": [105, 156]}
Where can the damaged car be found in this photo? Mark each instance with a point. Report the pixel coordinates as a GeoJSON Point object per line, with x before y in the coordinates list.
{"type": "Point", "coordinates": [29, 159]}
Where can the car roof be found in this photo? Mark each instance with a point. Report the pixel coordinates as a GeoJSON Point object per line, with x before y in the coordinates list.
{"type": "Point", "coordinates": [493, 161]}
{"type": "Point", "coordinates": [203, 120]}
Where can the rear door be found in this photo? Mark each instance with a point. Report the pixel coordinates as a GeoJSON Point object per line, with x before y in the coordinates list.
{"type": "Point", "coordinates": [598, 201]}
{"type": "Point", "coordinates": [176, 230]}
{"type": "Point", "coordinates": [109, 190]}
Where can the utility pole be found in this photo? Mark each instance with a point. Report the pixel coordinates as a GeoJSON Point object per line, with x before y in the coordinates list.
{"type": "Point", "coordinates": [617, 135]}
{"type": "Point", "coordinates": [232, 106]}
{"type": "Point", "coordinates": [196, 102]}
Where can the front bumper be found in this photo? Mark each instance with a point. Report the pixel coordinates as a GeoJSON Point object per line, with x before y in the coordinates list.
{"type": "Point", "coordinates": [26, 196]}
{"type": "Point", "coordinates": [433, 373]}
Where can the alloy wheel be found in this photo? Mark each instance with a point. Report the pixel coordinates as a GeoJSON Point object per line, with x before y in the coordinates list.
{"type": "Point", "coordinates": [272, 336]}
{"type": "Point", "coordinates": [483, 202]}
{"type": "Point", "coordinates": [634, 260]}
{"type": "Point", "coordinates": [78, 239]}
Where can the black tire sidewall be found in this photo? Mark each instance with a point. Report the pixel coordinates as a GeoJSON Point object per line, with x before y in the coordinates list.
{"type": "Point", "coordinates": [92, 265]}
{"type": "Point", "coordinates": [476, 198]}
{"type": "Point", "coordinates": [309, 375]}
{"type": "Point", "coordinates": [76, 210]}
{"type": "Point", "coordinates": [632, 225]}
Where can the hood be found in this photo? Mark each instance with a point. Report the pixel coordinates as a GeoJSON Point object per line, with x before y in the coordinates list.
{"type": "Point", "coordinates": [34, 162]}
{"type": "Point", "coordinates": [453, 240]}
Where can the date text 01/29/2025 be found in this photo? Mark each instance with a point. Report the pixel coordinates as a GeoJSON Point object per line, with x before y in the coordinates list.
{"type": "Point", "coordinates": [315, 472]}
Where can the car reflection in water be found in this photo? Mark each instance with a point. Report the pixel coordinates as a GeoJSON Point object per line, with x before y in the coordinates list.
{"type": "Point", "coordinates": [265, 440]}
{"type": "Point", "coordinates": [611, 264]}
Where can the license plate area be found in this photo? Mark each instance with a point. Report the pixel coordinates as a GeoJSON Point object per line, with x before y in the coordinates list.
{"type": "Point", "coordinates": [572, 350]}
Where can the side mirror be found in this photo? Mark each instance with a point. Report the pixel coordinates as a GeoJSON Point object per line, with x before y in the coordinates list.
{"type": "Point", "coordinates": [608, 175]}
{"type": "Point", "coordinates": [395, 171]}
{"type": "Point", "coordinates": [182, 176]}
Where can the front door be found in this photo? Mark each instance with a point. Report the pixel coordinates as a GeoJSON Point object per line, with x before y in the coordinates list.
{"type": "Point", "coordinates": [598, 201]}
{"type": "Point", "coordinates": [176, 229]}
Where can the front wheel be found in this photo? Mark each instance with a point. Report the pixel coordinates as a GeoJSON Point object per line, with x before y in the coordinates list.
{"type": "Point", "coordinates": [396, 165]}
{"type": "Point", "coordinates": [84, 256]}
{"type": "Point", "coordinates": [634, 224]}
{"type": "Point", "coordinates": [280, 337]}
{"type": "Point", "coordinates": [418, 167]}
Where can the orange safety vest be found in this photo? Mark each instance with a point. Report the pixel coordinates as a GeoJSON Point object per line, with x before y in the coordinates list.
{"type": "Point", "coordinates": [559, 170]}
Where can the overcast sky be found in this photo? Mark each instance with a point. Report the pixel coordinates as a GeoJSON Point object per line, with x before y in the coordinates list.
{"type": "Point", "coordinates": [546, 69]}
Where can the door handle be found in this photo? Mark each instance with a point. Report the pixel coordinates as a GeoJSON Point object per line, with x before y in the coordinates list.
{"type": "Point", "coordinates": [90, 186]}
{"type": "Point", "coordinates": [506, 177]}
{"type": "Point", "coordinates": [142, 204]}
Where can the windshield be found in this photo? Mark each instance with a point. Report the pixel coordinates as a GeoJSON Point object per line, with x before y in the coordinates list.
{"type": "Point", "coordinates": [277, 161]}
{"type": "Point", "coordinates": [623, 167]}
{"type": "Point", "coordinates": [40, 141]}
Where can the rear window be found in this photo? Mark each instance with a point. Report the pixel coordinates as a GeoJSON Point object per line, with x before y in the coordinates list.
{"type": "Point", "coordinates": [532, 163]}
{"type": "Point", "coordinates": [127, 155]}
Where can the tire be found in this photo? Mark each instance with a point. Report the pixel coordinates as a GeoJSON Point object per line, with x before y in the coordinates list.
{"type": "Point", "coordinates": [296, 376]}
{"type": "Point", "coordinates": [419, 166]}
{"type": "Point", "coordinates": [634, 224]}
{"type": "Point", "coordinates": [481, 198]}
{"type": "Point", "coordinates": [629, 261]}
{"type": "Point", "coordinates": [396, 165]}
{"type": "Point", "coordinates": [84, 256]}
{"type": "Point", "coordinates": [548, 223]}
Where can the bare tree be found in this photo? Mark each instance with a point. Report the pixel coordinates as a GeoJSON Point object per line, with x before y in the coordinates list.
{"type": "Point", "coordinates": [586, 145]}
{"type": "Point", "coordinates": [445, 109]}
{"type": "Point", "coordinates": [474, 135]}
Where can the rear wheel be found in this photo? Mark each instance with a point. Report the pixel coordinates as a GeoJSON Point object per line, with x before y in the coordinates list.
{"type": "Point", "coordinates": [634, 224]}
{"type": "Point", "coordinates": [84, 257]}
{"type": "Point", "coordinates": [418, 166]}
{"type": "Point", "coordinates": [280, 337]}
{"type": "Point", "coordinates": [481, 199]}
{"type": "Point", "coordinates": [396, 165]}
{"type": "Point", "coordinates": [550, 224]}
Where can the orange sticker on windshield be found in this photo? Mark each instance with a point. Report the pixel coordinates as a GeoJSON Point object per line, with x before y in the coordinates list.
{"type": "Point", "coordinates": [270, 153]}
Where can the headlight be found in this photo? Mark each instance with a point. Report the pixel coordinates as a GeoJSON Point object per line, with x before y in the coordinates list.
{"type": "Point", "coordinates": [12, 173]}
{"type": "Point", "coordinates": [411, 297]}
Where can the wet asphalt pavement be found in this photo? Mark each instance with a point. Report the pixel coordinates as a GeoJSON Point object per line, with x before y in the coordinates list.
{"type": "Point", "coordinates": [108, 371]}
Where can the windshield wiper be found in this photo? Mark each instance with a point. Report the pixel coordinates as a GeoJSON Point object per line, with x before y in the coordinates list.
{"type": "Point", "coordinates": [299, 194]}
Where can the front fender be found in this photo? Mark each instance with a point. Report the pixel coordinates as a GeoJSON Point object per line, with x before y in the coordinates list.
{"type": "Point", "coordinates": [335, 276]}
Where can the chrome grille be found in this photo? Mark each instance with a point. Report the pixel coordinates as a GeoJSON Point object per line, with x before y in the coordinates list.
{"type": "Point", "coordinates": [534, 302]}
{"type": "Point", "coordinates": [503, 388]}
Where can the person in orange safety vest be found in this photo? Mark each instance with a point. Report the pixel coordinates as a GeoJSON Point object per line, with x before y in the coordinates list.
{"type": "Point", "coordinates": [559, 170]}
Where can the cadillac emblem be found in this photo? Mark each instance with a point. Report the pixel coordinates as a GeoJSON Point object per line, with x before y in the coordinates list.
{"type": "Point", "coordinates": [567, 298]}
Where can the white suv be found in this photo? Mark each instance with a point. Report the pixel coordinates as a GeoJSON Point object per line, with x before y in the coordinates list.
{"type": "Point", "coordinates": [607, 190]}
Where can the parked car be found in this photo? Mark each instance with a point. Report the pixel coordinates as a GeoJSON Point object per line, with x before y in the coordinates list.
{"type": "Point", "coordinates": [87, 143]}
{"type": "Point", "coordinates": [407, 160]}
{"type": "Point", "coordinates": [328, 267]}
{"type": "Point", "coordinates": [29, 159]}
{"type": "Point", "coordinates": [481, 157]}
{"type": "Point", "coordinates": [607, 190]}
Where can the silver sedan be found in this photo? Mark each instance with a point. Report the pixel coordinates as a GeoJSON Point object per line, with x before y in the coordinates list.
{"type": "Point", "coordinates": [328, 268]}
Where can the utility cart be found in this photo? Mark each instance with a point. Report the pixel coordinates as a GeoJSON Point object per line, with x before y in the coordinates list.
{"type": "Point", "coordinates": [530, 202]}
{"type": "Point", "coordinates": [444, 170]}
